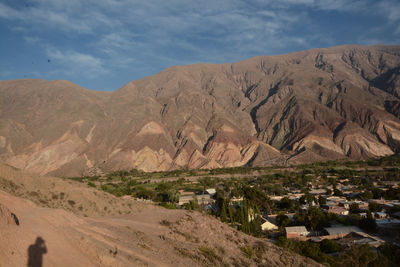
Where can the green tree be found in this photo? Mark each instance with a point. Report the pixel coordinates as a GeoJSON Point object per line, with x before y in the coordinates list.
{"type": "Point", "coordinates": [285, 203]}
{"type": "Point", "coordinates": [321, 201]}
{"type": "Point", "coordinates": [164, 191]}
{"type": "Point", "coordinates": [317, 218]}
{"type": "Point", "coordinates": [224, 216]}
{"type": "Point", "coordinates": [358, 256]}
{"type": "Point", "coordinates": [194, 204]}
{"type": "Point", "coordinates": [329, 246]}
{"type": "Point", "coordinates": [282, 220]}
{"type": "Point", "coordinates": [366, 195]}
{"type": "Point", "coordinates": [337, 192]}
{"type": "Point", "coordinates": [374, 207]}
{"type": "Point", "coordinates": [257, 223]}
{"type": "Point", "coordinates": [231, 218]}
{"type": "Point", "coordinates": [391, 252]}
{"type": "Point", "coordinates": [354, 208]}
{"type": "Point", "coordinates": [368, 224]}
{"type": "Point", "coordinates": [206, 182]}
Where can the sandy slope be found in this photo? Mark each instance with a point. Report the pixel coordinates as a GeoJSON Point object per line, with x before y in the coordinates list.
{"type": "Point", "coordinates": [136, 238]}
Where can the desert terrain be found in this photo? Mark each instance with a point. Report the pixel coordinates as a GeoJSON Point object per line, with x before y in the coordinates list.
{"type": "Point", "coordinates": [314, 105]}
{"type": "Point", "coordinates": [86, 227]}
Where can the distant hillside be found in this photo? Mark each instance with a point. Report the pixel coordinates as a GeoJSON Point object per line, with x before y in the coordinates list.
{"type": "Point", "coordinates": [301, 107]}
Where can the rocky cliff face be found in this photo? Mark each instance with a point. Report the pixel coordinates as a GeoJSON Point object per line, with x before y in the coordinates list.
{"type": "Point", "coordinates": [314, 105]}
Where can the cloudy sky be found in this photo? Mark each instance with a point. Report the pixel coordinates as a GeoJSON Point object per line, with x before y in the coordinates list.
{"type": "Point", "coordinates": [103, 44]}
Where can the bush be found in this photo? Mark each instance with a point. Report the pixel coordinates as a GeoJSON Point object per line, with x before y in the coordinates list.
{"type": "Point", "coordinates": [282, 220]}
{"type": "Point", "coordinates": [329, 246]}
{"type": "Point", "coordinates": [249, 251]}
{"type": "Point", "coordinates": [308, 249]}
{"type": "Point", "coordinates": [391, 252]}
{"type": "Point", "coordinates": [210, 254]}
{"type": "Point", "coordinates": [170, 206]}
{"type": "Point", "coordinates": [359, 255]}
{"type": "Point", "coordinates": [165, 222]}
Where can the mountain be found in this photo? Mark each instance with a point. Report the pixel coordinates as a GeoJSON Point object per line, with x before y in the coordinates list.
{"type": "Point", "coordinates": [41, 221]}
{"type": "Point", "coordinates": [318, 104]}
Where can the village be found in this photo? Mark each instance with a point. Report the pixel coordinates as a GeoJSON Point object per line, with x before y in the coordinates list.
{"type": "Point", "coordinates": [327, 202]}
{"type": "Point", "coordinates": [323, 208]}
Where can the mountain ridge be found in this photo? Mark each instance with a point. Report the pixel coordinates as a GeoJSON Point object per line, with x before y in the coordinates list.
{"type": "Point", "coordinates": [317, 104]}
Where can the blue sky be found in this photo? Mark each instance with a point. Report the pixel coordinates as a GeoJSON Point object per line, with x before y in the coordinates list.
{"type": "Point", "coordinates": [103, 44]}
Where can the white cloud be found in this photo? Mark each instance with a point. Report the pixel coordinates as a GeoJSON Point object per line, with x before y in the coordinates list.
{"type": "Point", "coordinates": [123, 33]}
{"type": "Point", "coordinates": [9, 13]}
{"type": "Point", "coordinates": [111, 42]}
{"type": "Point", "coordinates": [338, 5]}
{"type": "Point", "coordinates": [75, 63]}
{"type": "Point", "coordinates": [391, 9]}
{"type": "Point", "coordinates": [59, 15]}
{"type": "Point", "coordinates": [31, 39]}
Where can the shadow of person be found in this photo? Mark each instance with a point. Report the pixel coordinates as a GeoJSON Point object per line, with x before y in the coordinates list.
{"type": "Point", "coordinates": [35, 253]}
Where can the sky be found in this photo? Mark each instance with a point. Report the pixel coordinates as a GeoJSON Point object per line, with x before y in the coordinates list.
{"type": "Point", "coordinates": [104, 44]}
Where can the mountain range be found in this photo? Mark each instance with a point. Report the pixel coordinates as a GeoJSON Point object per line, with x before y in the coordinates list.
{"type": "Point", "coordinates": [314, 105]}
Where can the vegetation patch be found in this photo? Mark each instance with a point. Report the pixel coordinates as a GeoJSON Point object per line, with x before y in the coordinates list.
{"type": "Point", "coordinates": [71, 202]}
{"type": "Point", "coordinates": [165, 222]}
{"type": "Point", "coordinates": [210, 254]}
{"type": "Point", "coordinates": [249, 251]}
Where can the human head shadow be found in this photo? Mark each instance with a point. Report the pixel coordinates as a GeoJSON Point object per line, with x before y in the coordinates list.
{"type": "Point", "coordinates": [35, 253]}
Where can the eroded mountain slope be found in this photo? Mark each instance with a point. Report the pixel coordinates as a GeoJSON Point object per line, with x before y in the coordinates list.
{"type": "Point", "coordinates": [313, 105]}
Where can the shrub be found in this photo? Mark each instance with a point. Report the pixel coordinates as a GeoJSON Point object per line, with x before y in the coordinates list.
{"type": "Point", "coordinates": [165, 222]}
{"type": "Point", "coordinates": [249, 251]}
{"type": "Point", "coordinates": [329, 246]}
{"type": "Point", "coordinates": [210, 254]}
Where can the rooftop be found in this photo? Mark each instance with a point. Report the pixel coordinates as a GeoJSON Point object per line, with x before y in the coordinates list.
{"type": "Point", "coordinates": [211, 191]}
{"type": "Point", "coordinates": [342, 230]}
{"type": "Point", "coordinates": [296, 229]}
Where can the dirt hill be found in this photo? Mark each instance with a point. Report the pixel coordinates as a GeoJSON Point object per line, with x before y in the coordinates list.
{"type": "Point", "coordinates": [127, 233]}
{"type": "Point", "coordinates": [318, 104]}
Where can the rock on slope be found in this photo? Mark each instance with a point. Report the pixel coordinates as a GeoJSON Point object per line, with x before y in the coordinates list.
{"type": "Point", "coordinates": [145, 235]}
{"type": "Point", "coordinates": [313, 105]}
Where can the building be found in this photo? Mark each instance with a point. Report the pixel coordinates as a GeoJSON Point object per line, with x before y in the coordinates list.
{"type": "Point", "coordinates": [186, 197]}
{"type": "Point", "coordinates": [315, 192]}
{"type": "Point", "coordinates": [345, 204]}
{"type": "Point", "coordinates": [204, 199]}
{"type": "Point", "coordinates": [396, 215]}
{"type": "Point", "coordinates": [336, 209]}
{"type": "Point", "coordinates": [361, 238]}
{"type": "Point", "coordinates": [362, 205]}
{"type": "Point", "coordinates": [267, 225]}
{"type": "Point", "coordinates": [276, 198]}
{"type": "Point", "coordinates": [340, 231]}
{"type": "Point", "coordinates": [296, 232]}
{"type": "Point", "coordinates": [380, 215]}
{"type": "Point", "coordinates": [183, 199]}
{"type": "Point", "coordinates": [388, 223]}
{"type": "Point", "coordinates": [211, 191]}
{"type": "Point", "coordinates": [335, 199]}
